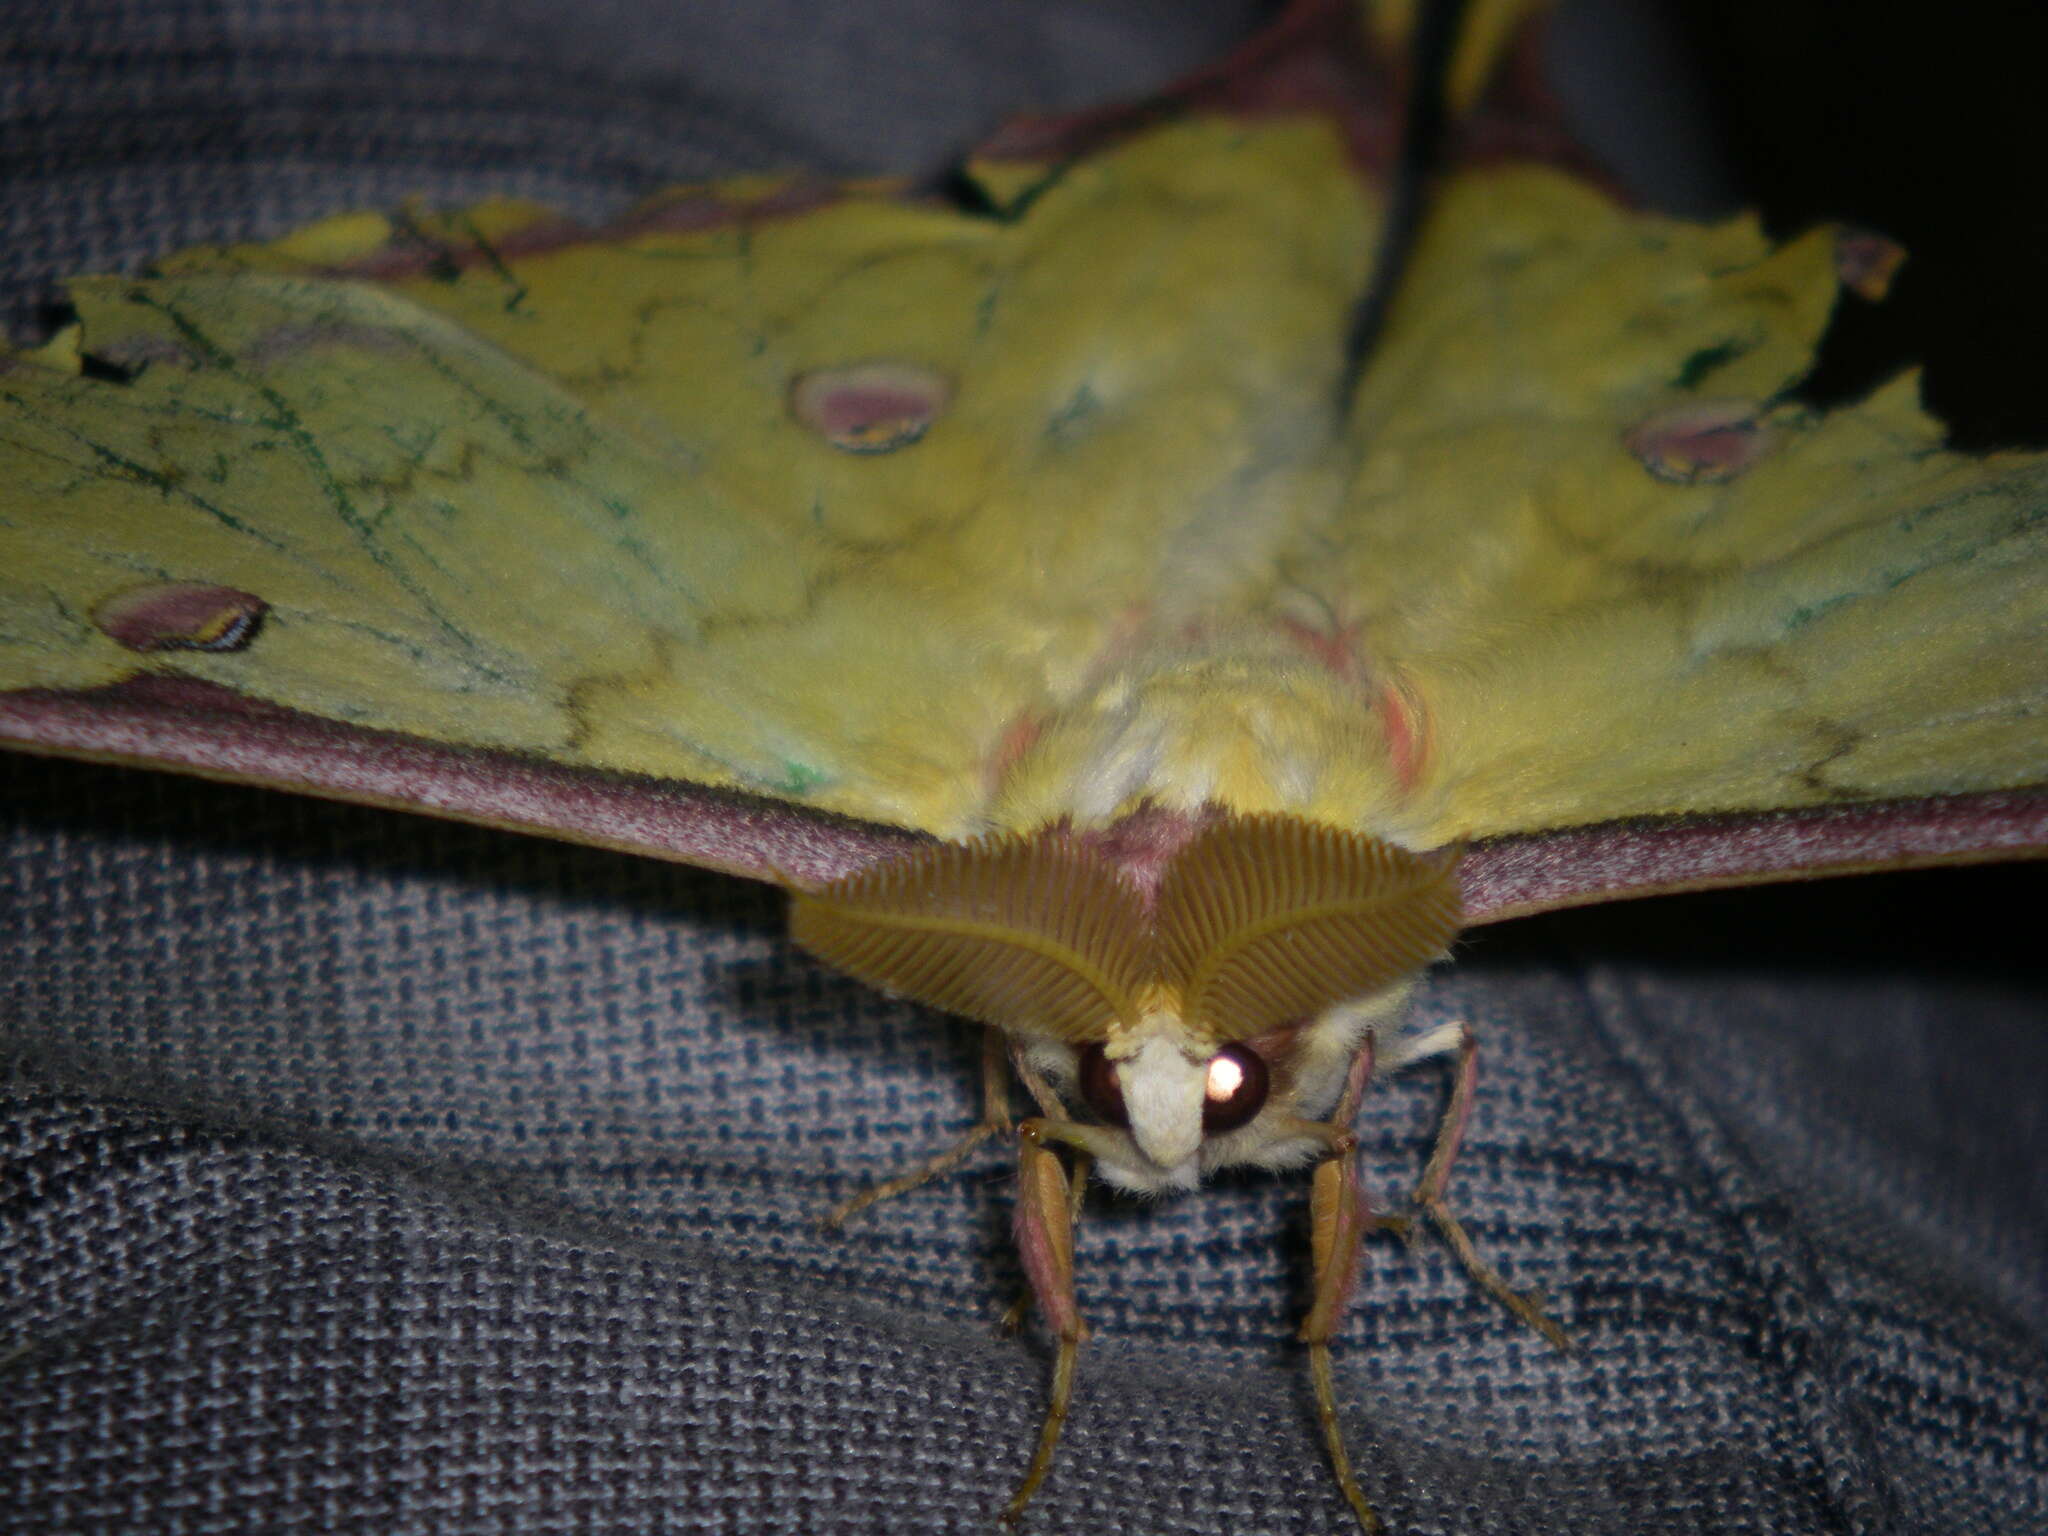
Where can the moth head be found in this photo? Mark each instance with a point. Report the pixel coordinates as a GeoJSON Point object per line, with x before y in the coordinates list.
{"type": "Point", "coordinates": [1169, 1103]}
{"type": "Point", "coordinates": [1234, 1083]}
{"type": "Point", "coordinates": [1190, 1013]}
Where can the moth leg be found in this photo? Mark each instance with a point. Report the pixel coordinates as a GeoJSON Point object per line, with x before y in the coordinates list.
{"type": "Point", "coordinates": [1051, 1108]}
{"type": "Point", "coordinates": [995, 1121]}
{"type": "Point", "coordinates": [1084, 1161]}
{"type": "Point", "coordinates": [1429, 1199]}
{"type": "Point", "coordinates": [1045, 1242]}
{"type": "Point", "coordinates": [1340, 1218]}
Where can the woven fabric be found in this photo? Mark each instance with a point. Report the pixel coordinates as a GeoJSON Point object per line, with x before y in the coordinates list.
{"type": "Point", "coordinates": [359, 1173]}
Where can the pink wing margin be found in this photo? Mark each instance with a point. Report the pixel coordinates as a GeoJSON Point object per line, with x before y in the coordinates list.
{"type": "Point", "coordinates": [1611, 861]}
{"type": "Point", "coordinates": [214, 732]}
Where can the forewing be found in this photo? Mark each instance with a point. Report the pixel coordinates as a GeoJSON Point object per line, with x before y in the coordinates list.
{"type": "Point", "coordinates": [812, 497]}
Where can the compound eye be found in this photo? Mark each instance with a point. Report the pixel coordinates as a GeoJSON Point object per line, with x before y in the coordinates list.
{"type": "Point", "coordinates": [1235, 1091]}
{"type": "Point", "coordinates": [1100, 1090]}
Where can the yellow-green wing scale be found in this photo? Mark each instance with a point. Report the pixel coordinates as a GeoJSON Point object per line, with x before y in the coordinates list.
{"type": "Point", "coordinates": [1837, 609]}
{"type": "Point", "coordinates": [559, 504]}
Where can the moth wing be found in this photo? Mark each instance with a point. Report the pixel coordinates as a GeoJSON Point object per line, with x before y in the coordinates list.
{"type": "Point", "coordinates": [811, 505]}
{"type": "Point", "coordinates": [1623, 573]}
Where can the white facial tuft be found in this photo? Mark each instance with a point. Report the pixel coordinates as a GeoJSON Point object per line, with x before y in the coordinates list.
{"type": "Point", "coordinates": [1163, 1093]}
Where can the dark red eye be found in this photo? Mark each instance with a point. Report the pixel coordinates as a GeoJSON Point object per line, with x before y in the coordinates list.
{"type": "Point", "coordinates": [1236, 1089]}
{"type": "Point", "coordinates": [1100, 1090]}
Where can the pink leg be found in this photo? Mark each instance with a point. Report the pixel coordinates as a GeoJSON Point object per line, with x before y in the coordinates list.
{"type": "Point", "coordinates": [1056, 1113]}
{"type": "Point", "coordinates": [1340, 1218]}
{"type": "Point", "coordinates": [1045, 1242]}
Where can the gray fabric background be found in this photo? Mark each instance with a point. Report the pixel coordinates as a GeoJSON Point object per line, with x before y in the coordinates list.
{"type": "Point", "coordinates": [360, 1173]}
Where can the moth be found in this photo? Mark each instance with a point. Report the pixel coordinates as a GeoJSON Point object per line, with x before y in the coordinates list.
{"type": "Point", "coordinates": [1256, 686]}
